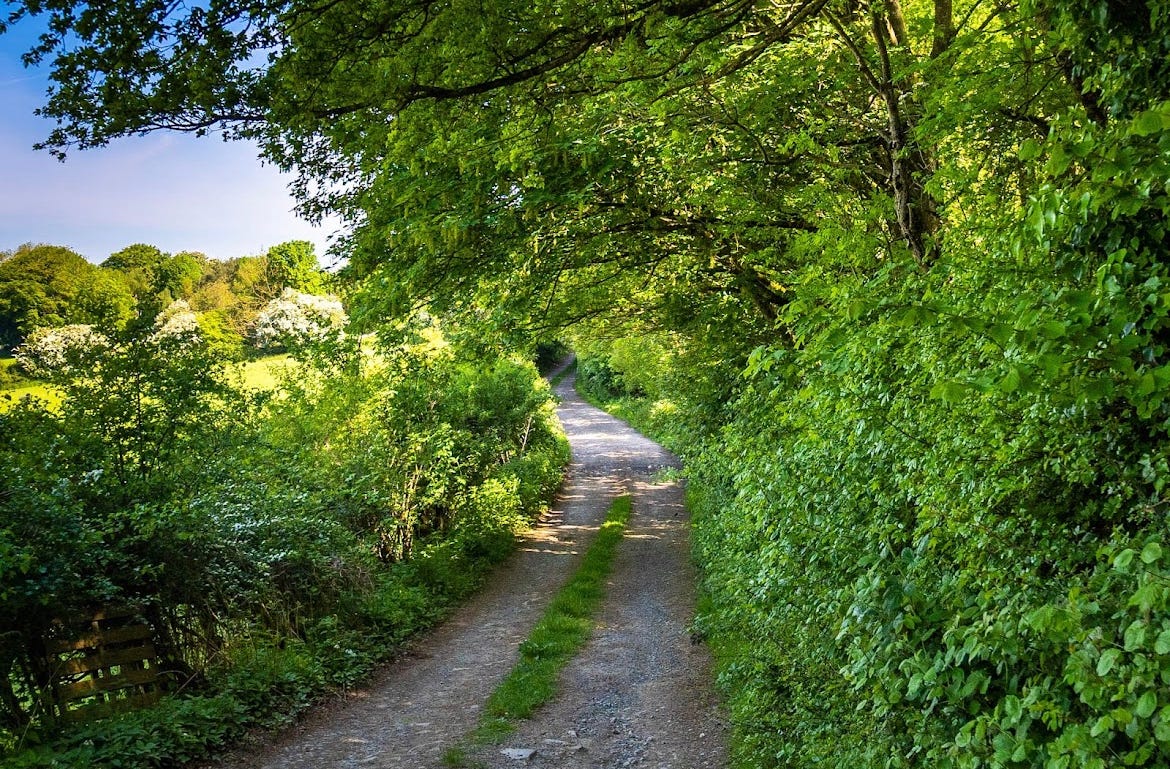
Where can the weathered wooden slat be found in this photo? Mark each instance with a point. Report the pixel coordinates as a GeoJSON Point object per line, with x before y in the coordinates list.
{"type": "Point", "coordinates": [85, 685]}
{"type": "Point", "coordinates": [106, 659]}
{"type": "Point", "coordinates": [100, 638]}
{"type": "Point", "coordinates": [89, 686]}
{"type": "Point", "coordinates": [113, 613]}
{"type": "Point", "coordinates": [103, 709]}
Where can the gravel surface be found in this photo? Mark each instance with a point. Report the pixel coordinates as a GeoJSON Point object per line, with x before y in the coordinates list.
{"type": "Point", "coordinates": [639, 694]}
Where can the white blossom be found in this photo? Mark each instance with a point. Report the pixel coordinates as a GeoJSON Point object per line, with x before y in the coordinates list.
{"type": "Point", "coordinates": [50, 351]}
{"type": "Point", "coordinates": [177, 323]}
{"type": "Point", "coordinates": [295, 319]}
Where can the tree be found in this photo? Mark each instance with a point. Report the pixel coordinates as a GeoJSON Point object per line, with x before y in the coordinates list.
{"type": "Point", "coordinates": [139, 261]}
{"type": "Point", "coordinates": [139, 395]}
{"type": "Point", "coordinates": [156, 278]}
{"type": "Point", "coordinates": [511, 182]}
{"type": "Point", "coordinates": [177, 276]}
{"type": "Point", "coordinates": [294, 320]}
{"type": "Point", "coordinates": [40, 285]}
{"type": "Point", "coordinates": [293, 264]}
{"type": "Point", "coordinates": [104, 300]}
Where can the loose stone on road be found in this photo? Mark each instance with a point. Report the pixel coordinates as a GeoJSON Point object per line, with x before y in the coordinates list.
{"type": "Point", "coordinates": [639, 694]}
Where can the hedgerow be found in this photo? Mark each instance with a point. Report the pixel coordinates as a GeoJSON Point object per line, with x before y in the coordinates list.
{"type": "Point", "coordinates": [279, 545]}
{"type": "Point", "coordinates": [932, 517]}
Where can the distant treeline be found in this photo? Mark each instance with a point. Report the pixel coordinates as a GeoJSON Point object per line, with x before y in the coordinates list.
{"type": "Point", "coordinates": [48, 286]}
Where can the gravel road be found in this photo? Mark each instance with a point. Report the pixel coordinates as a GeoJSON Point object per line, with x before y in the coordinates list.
{"type": "Point", "coordinates": [638, 695]}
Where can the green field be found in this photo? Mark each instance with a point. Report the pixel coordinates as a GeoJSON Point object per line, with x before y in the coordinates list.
{"type": "Point", "coordinates": [264, 373]}
{"type": "Point", "coordinates": [260, 374]}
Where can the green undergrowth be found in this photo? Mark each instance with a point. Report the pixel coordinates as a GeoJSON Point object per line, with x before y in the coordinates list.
{"type": "Point", "coordinates": [279, 547]}
{"type": "Point", "coordinates": [558, 636]}
{"type": "Point", "coordinates": [265, 682]}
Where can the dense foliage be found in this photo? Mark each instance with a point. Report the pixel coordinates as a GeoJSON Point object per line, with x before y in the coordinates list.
{"type": "Point", "coordinates": [277, 544]}
{"type": "Point", "coordinates": [933, 519]}
{"type": "Point", "coordinates": [899, 267]}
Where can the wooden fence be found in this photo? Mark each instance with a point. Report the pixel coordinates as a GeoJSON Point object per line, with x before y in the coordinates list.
{"type": "Point", "coordinates": [101, 665]}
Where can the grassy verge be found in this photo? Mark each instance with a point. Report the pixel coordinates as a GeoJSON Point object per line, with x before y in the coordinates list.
{"type": "Point", "coordinates": [562, 631]}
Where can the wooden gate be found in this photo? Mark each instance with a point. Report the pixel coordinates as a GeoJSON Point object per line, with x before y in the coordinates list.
{"type": "Point", "coordinates": [101, 665]}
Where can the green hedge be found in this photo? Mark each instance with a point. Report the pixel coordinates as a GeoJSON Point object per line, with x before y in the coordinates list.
{"type": "Point", "coordinates": [281, 544]}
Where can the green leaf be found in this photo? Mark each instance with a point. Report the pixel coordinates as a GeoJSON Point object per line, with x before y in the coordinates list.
{"type": "Point", "coordinates": [1029, 150]}
{"type": "Point", "coordinates": [856, 309]}
{"type": "Point", "coordinates": [1123, 559]}
{"type": "Point", "coordinates": [1108, 659]}
{"type": "Point", "coordinates": [1162, 644]}
{"type": "Point", "coordinates": [1147, 123]}
{"type": "Point", "coordinates": [1135, 635]}
{"type": "Point", "coordinates": [1146, 705]}
{"type": "Point", "coordinates": [1054, 329]}
{"type": "Point", "coordinates": [1011, 380]}
{"type": "Point", "coordinates": [1151, 552]}
{"type": "Point", "coordinates": [951, 391]}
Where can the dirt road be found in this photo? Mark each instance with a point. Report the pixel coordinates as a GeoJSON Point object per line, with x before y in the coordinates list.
{"type": "Point", "coordinates": [639, 694]}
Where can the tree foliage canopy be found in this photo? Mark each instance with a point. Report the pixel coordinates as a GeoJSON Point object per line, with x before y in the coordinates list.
{"type": "Point", "coordinates": [900, 266]}
{"type": "Point", "coordinates": [587, 146]}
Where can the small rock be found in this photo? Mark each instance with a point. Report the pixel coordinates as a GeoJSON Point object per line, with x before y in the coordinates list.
{"type": "Point", "coordinates": [554, 742]}
{"type": "Point", "coordinates": [519, 754]}
{"type": "Point", "coordinates": [572, 734]}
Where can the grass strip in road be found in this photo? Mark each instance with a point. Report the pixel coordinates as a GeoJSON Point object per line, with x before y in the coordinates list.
{"type": "Point", "coordinates": [562, 631]}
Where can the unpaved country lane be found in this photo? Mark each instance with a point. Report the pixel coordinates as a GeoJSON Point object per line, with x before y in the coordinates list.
{"type": "Point", "coordinates": [429, 700]}
{"type": "Point", "coordinates": [640, 694]}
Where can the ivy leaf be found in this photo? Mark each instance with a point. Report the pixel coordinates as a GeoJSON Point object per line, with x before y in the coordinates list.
{"type": "Point", "coordinates": [1146, 705]}
{"type": "Point", "coordinates": [1151, 552]}
{"type": "Point", "coordinates": [1162, 644]}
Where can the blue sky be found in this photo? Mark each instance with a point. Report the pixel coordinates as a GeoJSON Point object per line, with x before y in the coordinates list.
{"type": "Point", "coordinates": [174, 191]}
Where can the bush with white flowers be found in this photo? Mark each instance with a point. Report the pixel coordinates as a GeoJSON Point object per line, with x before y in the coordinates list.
{"type": "Point", "coordinates": [50, 351]}
{"type": "Point", "coordinates": [177, 322]}
{"type": "Point", "coordinates": [294, 319]}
